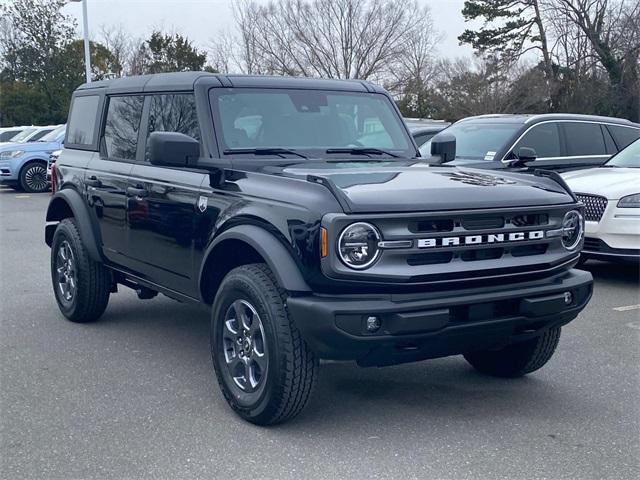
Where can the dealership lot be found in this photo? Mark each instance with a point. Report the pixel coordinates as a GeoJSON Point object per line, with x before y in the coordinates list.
{"type": "Point", "coordinates": [133, 396]}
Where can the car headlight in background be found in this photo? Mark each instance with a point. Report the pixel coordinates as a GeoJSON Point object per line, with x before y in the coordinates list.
{"type": "Point", "coordinates": [572, 229]}
{"type": "Point", "coordinates": [10, 154]}
{"type": "Point", "coordinates": [630, 201]}
{"type": "Point", "coordinates": [358, 245]}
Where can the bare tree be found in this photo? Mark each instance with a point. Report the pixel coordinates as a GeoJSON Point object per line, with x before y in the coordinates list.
{"type": "Point", "coordinates": [328, 38]}
{"type": "Point", "coordinates": [116, 39]}
{"type": "Point", "coordinates": [611, 30]}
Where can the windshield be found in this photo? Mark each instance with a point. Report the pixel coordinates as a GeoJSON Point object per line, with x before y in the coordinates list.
{"type": "Point", "coordinates": [312, 123]}
{"type": "Point", "coordinates": [24, 134]}
{"type": "Point", "coordinates": [629, 157]}
{"type": "Point", "coordinates": [477, 140]}
{"type": "Point", "coordinates": [53, 135]}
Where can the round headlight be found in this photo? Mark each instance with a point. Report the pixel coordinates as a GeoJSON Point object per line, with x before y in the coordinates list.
{"type": "Point", "coordinates": [358, 245]}
{"type": "Point", "coordinates": [572, 229]}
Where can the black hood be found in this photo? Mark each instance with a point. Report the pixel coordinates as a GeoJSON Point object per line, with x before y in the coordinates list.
{"type": "Point", "coordinates": [399, 186]}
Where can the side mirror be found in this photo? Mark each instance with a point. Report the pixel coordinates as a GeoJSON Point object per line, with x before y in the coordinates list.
{"type": "Point", "coordinates": [173, 149]}
{"type": "Point", "coordinates": [443, 145]}
{"type": "Point", "coordinates": [527, 154]}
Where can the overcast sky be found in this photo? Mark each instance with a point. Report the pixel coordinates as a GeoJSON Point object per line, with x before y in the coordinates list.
{"type": "Point", "coordinates": [200, 20]}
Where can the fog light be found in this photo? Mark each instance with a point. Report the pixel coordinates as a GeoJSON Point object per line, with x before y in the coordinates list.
{"type": "Point", "coordinates": [373, 324]}
{"type": "Point", "coordinates": [568, 298]}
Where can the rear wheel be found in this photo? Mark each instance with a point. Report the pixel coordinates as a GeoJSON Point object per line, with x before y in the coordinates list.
{"type": "Point", "coordinates": [517, 359]}
{"type": "Point", "coordinates": [81, 285]}
{"type": "Point", "coordinates": [33, 177]}
{"type": "Point", "coordinates": [265, 369]}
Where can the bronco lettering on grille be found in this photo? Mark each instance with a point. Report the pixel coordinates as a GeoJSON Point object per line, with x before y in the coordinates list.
{"type": "Point", "coordinates": [480, 239]}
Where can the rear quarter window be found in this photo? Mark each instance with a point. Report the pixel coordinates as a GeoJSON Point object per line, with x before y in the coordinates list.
{"type": "Point", "coordinates": [81, 129]}
{"type": "Point", "coordinates": [624, 135]}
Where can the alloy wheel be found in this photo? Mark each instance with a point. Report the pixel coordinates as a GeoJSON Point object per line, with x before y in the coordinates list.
{"type": "Point", "coordinates": [66, 272]}
{"type": "Point", "coordinates": [244, 346]}
{"type": "Point", "coordinates": [36, 178]}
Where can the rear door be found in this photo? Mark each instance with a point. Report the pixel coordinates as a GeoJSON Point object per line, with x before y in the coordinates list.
{"type": "Point", "coordinates": [162, 202]}
{"type": "Point", "coordinates": [107, 178]}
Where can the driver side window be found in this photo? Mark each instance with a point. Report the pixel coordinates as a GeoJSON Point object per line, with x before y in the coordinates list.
{"type": "Point", "coordinates": [172, 113]}
{"type": "Point", "coordinates": [543, 138]}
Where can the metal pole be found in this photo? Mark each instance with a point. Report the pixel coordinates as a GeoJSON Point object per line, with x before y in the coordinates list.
{"type": "Point", "coordinates": [87, 51]}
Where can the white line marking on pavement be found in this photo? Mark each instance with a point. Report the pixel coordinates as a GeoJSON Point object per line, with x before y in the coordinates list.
{"type": "Point", "coordinates": [23, 196]}
{"type": "Point", "coordinates": [634, 325]}
{"type": "Point", "coordinates": [627, 308]}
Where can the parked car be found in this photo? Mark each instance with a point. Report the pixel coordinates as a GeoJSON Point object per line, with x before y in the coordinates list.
{"type": "Point", "coordinates": [8, 133]}
{"type": "Point", "coordinates": [32, 134]}
{"type": "Point", "coordinates": [550, 141]}
{"type": "Point", "coordinates": [308, 231]}
{"type": "Point", "coordinates": [52, 161]}
{"type": "Point", "coordinates": [611, 194]}
{"type": "Point", "coordinates": [423, 130]}
{"type": "Point", "coordinates": [23, 165]}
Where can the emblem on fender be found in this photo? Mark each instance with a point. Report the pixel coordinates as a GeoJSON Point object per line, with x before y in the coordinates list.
{"type": "Point", "coordinates": [485, 239]}
{"type": "Point", "coordinates": [202, 203]}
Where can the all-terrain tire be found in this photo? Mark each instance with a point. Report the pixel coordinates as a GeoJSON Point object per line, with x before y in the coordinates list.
{"type": "Point", "coordinates": [292, 367]}
{"type": "Point", "coordinates": [517, 359]}
{"type": "Point", "coordinates": [92, 279]}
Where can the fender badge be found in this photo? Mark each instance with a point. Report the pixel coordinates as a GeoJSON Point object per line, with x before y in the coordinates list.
{"type": "Point", "coordinates": [202, 203]}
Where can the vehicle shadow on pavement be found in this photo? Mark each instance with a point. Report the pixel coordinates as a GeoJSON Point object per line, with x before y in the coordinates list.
{"type": "Point", "coordinates": [616, 273]}
{"type": "Point", "coordinates": [174, 338]}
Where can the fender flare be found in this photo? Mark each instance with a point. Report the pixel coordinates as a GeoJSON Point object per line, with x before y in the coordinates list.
{"type": "Point", "coordinates": [89, 233]}
{"type": "Point", "coordinates": [270, 248]}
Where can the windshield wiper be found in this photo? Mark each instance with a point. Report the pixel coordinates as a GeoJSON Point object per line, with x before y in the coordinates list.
{"type": "Point", "coordinates": [264, 151]}
{"type": "Point", "coordinates": [362, 150]}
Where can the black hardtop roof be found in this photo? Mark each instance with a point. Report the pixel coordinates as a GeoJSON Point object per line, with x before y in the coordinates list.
{"type": "Point", "coordinates": [537, 118]}
{"type": "Point", "coordinates": [184, 81]}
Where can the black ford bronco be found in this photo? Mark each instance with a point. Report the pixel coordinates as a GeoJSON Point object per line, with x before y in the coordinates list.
{"type": "Point", "coordinates": [299, 212]}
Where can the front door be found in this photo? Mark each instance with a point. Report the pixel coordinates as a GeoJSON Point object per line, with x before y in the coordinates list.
{"type": "Point", "coordinates": [162, 202]}
{"type": "Point", "coordinates": [162, 206]}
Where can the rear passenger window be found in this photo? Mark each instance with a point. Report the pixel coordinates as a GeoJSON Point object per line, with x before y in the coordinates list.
{"type": "Point", "coordinates": [173, 113]}
{"type": "Point", "coordinates": [543, 138]}
{"type": "Point", "coordinates": [121, 128]}
{"type": "Point", "coordinates": [82, 121]}
{"type": "Point", "coordinates": [624, 135]}
{"type": "Point", "coordinates": [584, 139]}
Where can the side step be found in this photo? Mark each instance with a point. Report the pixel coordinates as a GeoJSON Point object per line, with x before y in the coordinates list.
{"type": "Point", "coordinates": [144, 293]}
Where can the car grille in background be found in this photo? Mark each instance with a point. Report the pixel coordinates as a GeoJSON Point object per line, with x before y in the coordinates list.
{"type": "Point", "coordinates": [594, 206]}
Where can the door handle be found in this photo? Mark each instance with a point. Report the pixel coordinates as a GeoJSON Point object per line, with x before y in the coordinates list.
{"type": "Point", "coordinates": [137, 191]}
{"type": "Point", "coordinates": [93, 181]}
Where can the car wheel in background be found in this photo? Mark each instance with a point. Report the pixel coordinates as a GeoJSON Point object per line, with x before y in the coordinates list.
{"type": "Point", "coordinates": [517, 359]}
{"type": "Point", "coordinates": [33, 177]}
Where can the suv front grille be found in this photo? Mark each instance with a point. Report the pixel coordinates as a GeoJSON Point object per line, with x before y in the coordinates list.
{"type": "Point", "coordinates": [459, 245]}
{"type": "Point", "coordinates": [595, 206]}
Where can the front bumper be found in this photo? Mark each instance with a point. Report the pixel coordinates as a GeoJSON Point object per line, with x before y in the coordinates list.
{"type": "Point", "coordinates": [436, 324]}
{"type": "Point", "coordinates": [619, 228]}
{"type": "Point", "coordinates": [7, 173]}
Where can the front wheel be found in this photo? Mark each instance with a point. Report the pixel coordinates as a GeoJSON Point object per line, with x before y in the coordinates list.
{"type": "Point", "coordinates": [517, 359]}
{"type": "Point", "coordinates": [33, 177]}
{"type": "Point", "coordinates": [264, 368]}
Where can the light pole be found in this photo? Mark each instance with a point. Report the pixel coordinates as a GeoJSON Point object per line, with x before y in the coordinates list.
{"type": "Point", "coordinates": [85, 28]}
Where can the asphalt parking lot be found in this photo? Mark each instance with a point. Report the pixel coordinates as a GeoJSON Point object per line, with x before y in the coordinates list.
{"type": "Point", "coordinates": [133, 396]}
